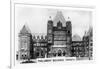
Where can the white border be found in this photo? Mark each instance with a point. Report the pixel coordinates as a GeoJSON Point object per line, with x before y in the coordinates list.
{"type": "Point", "coordinates": [37, 65]}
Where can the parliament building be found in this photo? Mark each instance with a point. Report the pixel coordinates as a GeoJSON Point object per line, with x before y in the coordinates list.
{"type": "Point", "coordinates": [56, 43]}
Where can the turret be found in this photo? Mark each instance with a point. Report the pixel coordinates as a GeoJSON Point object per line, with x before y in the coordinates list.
{"type": "Point", "coordinates": [25, 43]}
{"type": "Point", "coordinates": [50, 30]}
{"type": "Point", "coordinates": [49, 26]}
{"type": "Point", "coordinates": [69, 27]}
{"type": "Point", "coordinates": [69, 30]}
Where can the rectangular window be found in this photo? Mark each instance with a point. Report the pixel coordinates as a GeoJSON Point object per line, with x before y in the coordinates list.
{"type": "Point", "coordinates": [59, 42]}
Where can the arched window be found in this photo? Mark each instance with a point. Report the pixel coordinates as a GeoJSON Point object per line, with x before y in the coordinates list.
{"type": "Point", "coordinates": [37, 52]}
{"type": "Point", "coordinates": [64, 53]}
{"type": "Point", "coordinates": [42, 53]}
{"type": "Point", "coordinates": [59, 53]}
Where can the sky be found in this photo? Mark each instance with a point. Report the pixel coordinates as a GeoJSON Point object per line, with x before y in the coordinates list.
{"type": "Point", "coordinates": [36, 19]}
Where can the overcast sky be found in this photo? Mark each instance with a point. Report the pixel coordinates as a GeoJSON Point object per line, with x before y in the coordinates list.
{"type": "Point", "coordinates": [37, 18]}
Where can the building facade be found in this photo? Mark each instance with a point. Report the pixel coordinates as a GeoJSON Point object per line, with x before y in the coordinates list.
{"type": "Point", "coordinates": [25, 43]}
{"type": "Point", "coordinates": [59, 33]}
{"type": "Point", "coordinates": [88, 43]}
{"type": "Point", "coordinates": [57, 43]}
{"type": "Point", "coordinates": [39, 46]}
{"type": "Point", "coordinates": [78, 49]}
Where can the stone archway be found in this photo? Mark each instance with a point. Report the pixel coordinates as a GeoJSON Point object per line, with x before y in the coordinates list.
{"type": "Point", "coordinates": [59, 52]}
{"type": "Point", "coordinates": [40, 53]}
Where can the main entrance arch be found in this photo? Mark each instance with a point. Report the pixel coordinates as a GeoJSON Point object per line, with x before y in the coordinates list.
{"type": "Point", "coordinates": [59, 53]}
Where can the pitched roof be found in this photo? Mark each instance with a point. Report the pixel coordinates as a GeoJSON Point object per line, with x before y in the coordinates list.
{"type": "Point", "coordinates": [59, 17]}
{"type": "Point", "coordinates": [89, 32]}
{"type": "Point", "coordinates": [25, 30]}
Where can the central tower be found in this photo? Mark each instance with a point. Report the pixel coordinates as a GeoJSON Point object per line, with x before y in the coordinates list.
{"type": "Point", "coordinates": [59, 32]}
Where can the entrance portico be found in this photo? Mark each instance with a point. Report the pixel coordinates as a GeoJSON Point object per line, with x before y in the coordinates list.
{"type": "Point", "coordinates": [60, 50]}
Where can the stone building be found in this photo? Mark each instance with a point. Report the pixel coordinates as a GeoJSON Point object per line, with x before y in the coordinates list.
{"type": "Point", "coordinates": [59, 33]}
{"type": "Point", "coordinates": [88, 43]}
{"type": "Point", "coordinates": [25, 43]}
{"type": "Point", "coordinates": [58, 41]}
{"type": "Point", "coordinates": [77, 48]}
{"type": "Point", "coordinates": [40, 46]}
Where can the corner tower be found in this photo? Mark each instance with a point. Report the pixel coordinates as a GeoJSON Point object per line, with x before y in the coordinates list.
{"type": "Point", "coordinates": [25, 43]}
{"type": "Point", "coordinates": [69, 31]}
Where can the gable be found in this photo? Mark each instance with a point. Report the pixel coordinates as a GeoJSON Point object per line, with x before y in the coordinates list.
{"type": "Point", "coordinates": [59, 17]}
{"type": "Point", "coordinates": [25, 30]}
